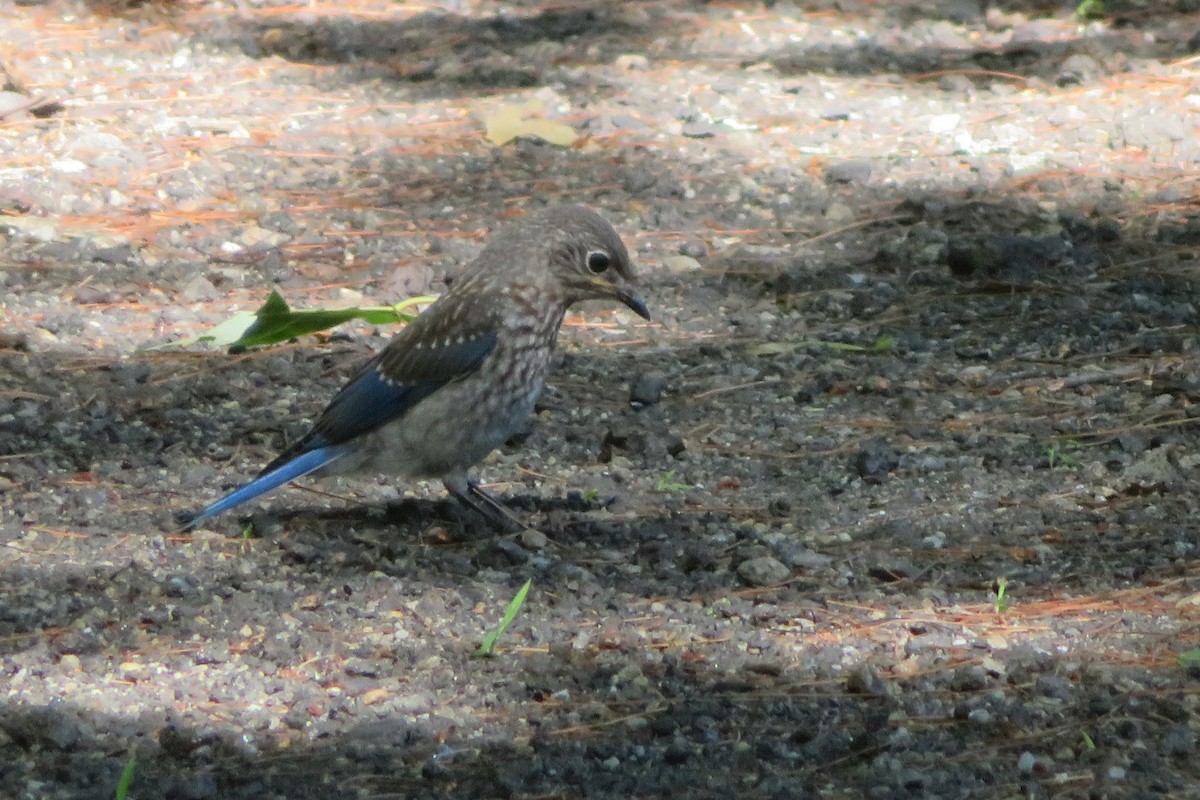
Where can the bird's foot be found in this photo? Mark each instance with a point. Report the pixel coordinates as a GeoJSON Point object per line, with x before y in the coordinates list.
{"type": "Point", "coordinates": [470, 494]}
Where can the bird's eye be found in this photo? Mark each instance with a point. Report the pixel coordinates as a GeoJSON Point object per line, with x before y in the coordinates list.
{"type": "Point", "coordinates": [598, 261]}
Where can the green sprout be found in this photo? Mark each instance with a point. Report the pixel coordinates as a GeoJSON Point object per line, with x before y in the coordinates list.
{"type": "Point", "coordinates": [1002, 602]}
{"type": "Point", "coordinates": [1057, 457]}
{"type": "Point", "coordinates": [883, 344]}
{"type": "Point", "coordinates": [667, 483]}
{"type": "Point", "coordinates": [247, 536]}
{"type": "Point", "coordinates": [126, 778]}
{"type": "Point", "coordinates": [488, 647]}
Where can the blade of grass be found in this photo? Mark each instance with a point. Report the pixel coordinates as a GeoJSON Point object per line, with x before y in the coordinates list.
{"type": "Point", "coordinates": [488, 646]}
{"type": "Point", "coordinates": [126, 778]}
{"type": "Point", "coordinates": [884, 344]}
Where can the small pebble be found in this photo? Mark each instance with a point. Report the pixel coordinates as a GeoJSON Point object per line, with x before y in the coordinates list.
{"type": "Point", "coordinates": [197, 289]}
{"type": "Point", "coordinates": [980, 716]}
{"type": "Point", "coordinates": [855, 171]}
{"type": "Point", "coordinates": [763, 571]}
{"type": "Point", "coordinates": [533, 539]}
{"type": "Point", "coordinates": [647, 389]}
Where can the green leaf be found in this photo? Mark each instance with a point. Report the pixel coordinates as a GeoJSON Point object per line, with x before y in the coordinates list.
{"type": "Point", "coordinates": [489, 642]}
{"type": "Point", "coordinates": [223, 334]}
{"type": "Point", "coordinates": [126, 778]}
{"type": "Point", "coordinates": [277, 322]}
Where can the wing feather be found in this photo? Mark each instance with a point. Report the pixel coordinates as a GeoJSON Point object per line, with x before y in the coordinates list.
{"type": "Point", "coordinates": [412, 367]}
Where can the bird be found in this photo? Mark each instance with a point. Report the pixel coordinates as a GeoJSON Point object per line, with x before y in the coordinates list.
{"type": "Point", "coordinates": [462, 377]}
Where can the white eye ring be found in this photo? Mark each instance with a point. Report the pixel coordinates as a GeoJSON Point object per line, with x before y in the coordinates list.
{"type": "Point", "coordinates": [598, 261]}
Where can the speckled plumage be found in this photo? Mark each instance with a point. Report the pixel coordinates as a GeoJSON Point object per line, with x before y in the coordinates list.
{"type": "Point", "coordinates": [460, 379]}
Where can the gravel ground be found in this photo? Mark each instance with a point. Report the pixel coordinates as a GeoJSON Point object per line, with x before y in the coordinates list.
{"type": "Point", "coordinates": [897, 497]}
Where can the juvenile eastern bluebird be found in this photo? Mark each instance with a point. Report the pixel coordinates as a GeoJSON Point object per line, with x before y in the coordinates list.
{"type": "Point", "coordinates": [462, 377]}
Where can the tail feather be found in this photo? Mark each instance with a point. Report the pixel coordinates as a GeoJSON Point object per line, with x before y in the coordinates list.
{"type": "Point", "coordinates": [298, 467]}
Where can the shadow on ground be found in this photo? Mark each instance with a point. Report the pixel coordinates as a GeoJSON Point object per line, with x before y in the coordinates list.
{"type": "Point", "coordinates": [454, 54]}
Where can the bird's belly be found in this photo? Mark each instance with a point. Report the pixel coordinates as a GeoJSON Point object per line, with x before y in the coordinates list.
{"type": "Point", "coordinates": [458, 425]}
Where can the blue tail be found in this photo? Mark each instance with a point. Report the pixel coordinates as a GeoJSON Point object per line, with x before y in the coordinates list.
{"type": "Point", "coordinates": [299, 466]}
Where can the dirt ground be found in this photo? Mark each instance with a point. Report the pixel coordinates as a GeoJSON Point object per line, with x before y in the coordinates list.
{"type": "Point", "coordinates": [896, 497]}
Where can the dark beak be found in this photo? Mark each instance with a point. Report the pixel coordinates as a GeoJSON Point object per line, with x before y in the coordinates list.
{"type": "Point", "coordinates": [634, 302]}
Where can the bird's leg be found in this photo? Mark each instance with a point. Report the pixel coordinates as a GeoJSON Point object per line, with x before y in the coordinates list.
{"type": "Point", "coordinates": [469, 494]}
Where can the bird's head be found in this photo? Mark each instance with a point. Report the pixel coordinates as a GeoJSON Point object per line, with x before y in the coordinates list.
{"type": "Point", "coordinates": [584, 256]}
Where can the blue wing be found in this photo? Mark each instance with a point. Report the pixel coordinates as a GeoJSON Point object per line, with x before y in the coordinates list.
{"type": "Point", "coordinates": [397, 379]}
{"type": "Point", "coordinates": [415, 364]}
